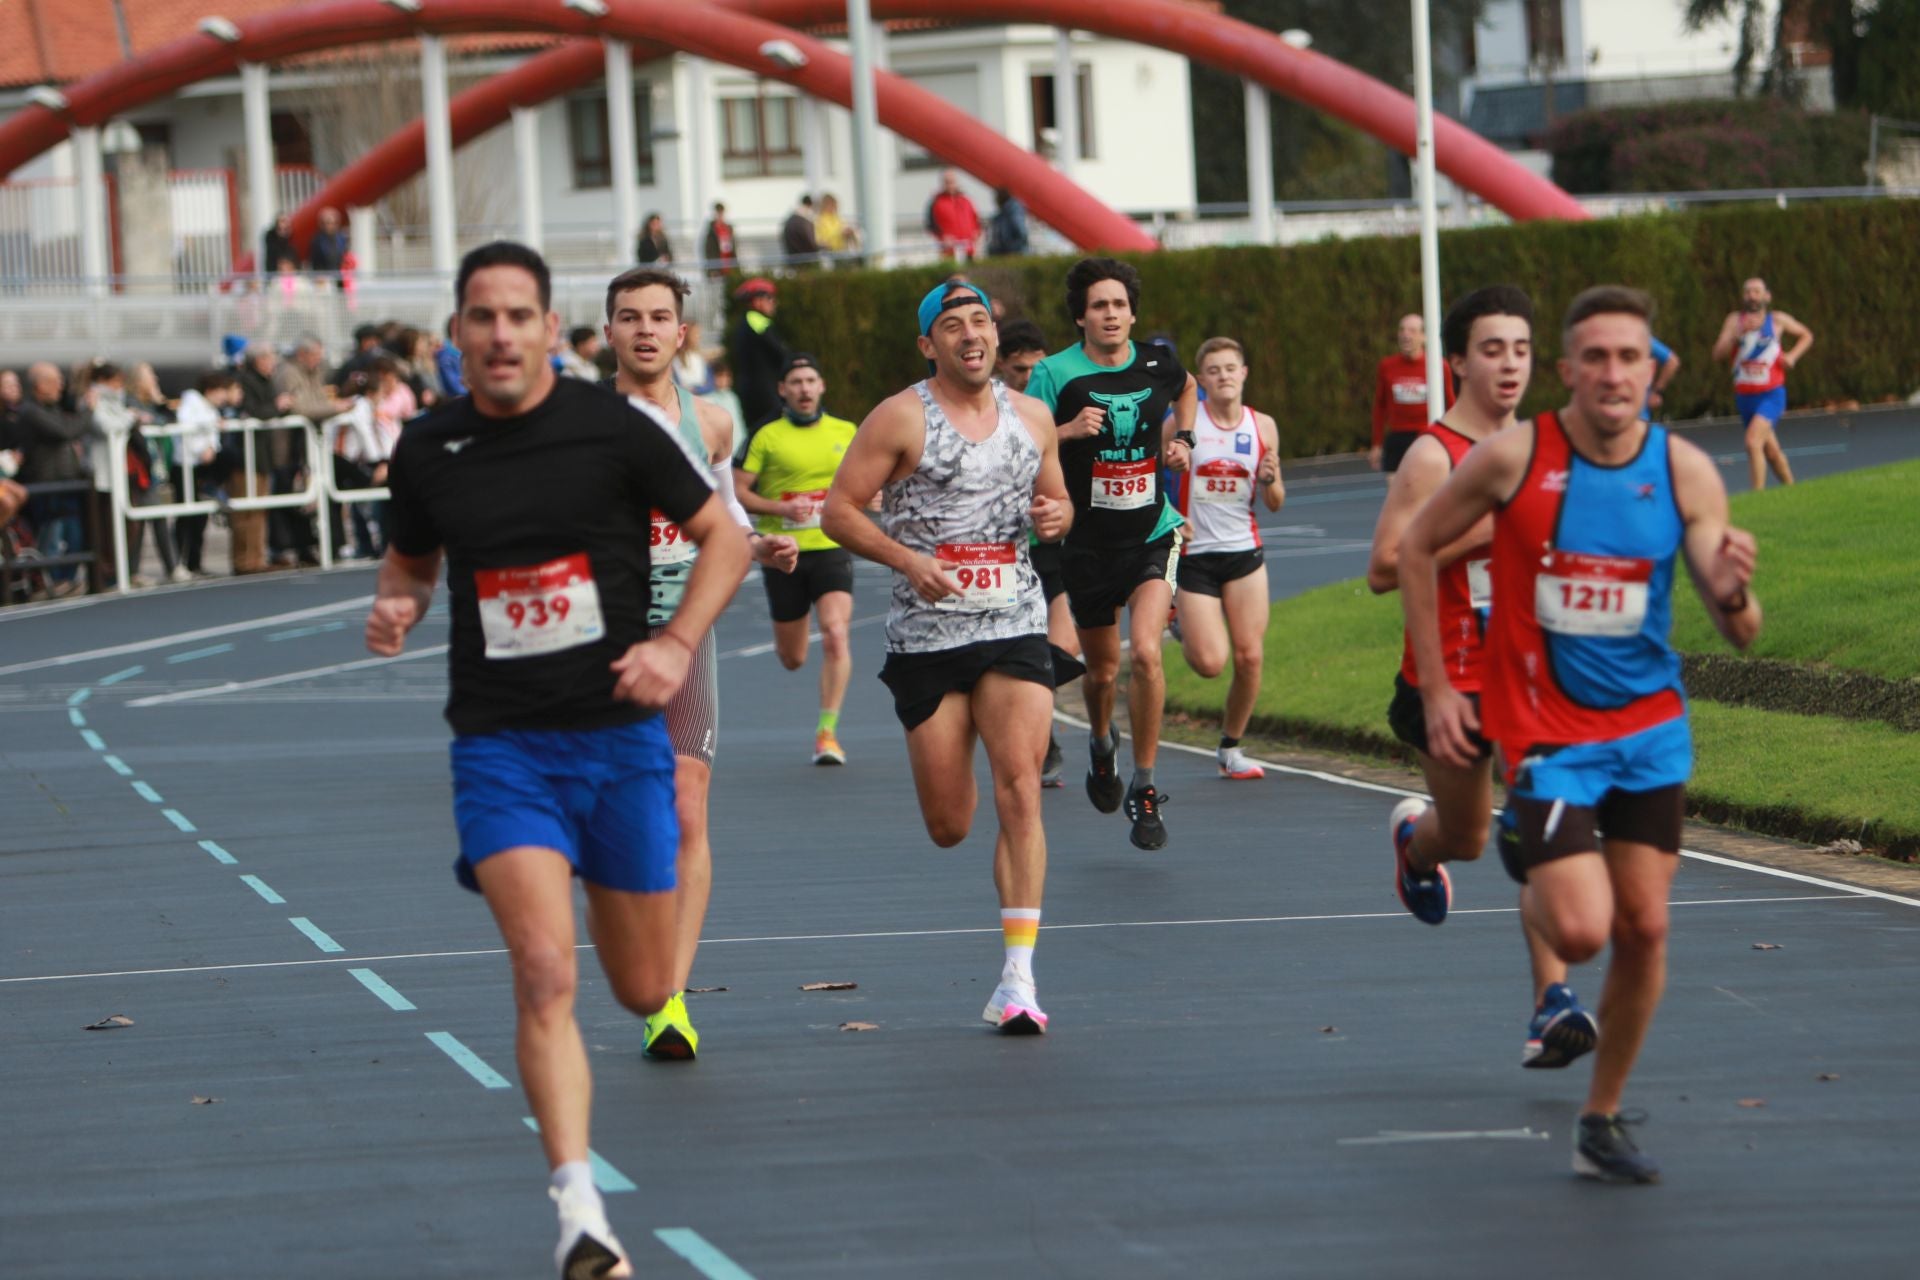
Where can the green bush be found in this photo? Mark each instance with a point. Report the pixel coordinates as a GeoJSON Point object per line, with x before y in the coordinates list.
{"type": "Point", "coordinates": [1707, 146]}
{"type": "Point", "coordinates": [1316, 318]}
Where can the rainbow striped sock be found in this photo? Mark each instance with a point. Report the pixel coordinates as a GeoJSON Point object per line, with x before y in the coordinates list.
{"type": "Point", "coordinates": [1020, 929]}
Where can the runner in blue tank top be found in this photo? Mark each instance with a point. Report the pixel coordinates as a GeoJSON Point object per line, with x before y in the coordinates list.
{"type": "Point", "coordinates": [1753, 340]}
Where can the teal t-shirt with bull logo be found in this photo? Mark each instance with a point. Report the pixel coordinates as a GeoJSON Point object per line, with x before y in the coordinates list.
{"type": "Point", "coordinates": [1114, 477]}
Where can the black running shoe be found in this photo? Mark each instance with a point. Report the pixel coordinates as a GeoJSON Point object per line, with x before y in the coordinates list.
{"type": "Point", "coordinates": [1050, 767]}
{"type": "Point", "coordinates": [1602, 1149]}
{"type": "Point", "coordinates": [1103, 780]}
{"type": "Point", "coordinates": [1143, 810]}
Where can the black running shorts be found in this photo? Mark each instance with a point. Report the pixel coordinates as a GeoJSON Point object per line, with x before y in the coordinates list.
{"type": "Point", "coordinates": [921, 680]}
{"type": "Point", "coordinates": [1536, 834]}
{"type": "Point", "coordinates": [1394, 447]}
{"type": "Point", "coordinates": [1046, 562]}
{"type": "Point", "coordinates": [1407, 717]}
{"type": "Point", "coordinates": [1100, 580]}
{"type": "Point", "coordinates": [791, 595]}
{"type": "Point", "coordinates": [1205, 572]}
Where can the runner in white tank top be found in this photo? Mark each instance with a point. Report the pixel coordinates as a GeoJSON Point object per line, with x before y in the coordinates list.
{"type": "Point", "coordinates": [966, 468]}
{"type": "Point", "coordinates": [1222, 599]}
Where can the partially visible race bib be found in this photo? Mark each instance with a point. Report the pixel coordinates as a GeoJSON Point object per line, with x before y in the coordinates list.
{"type": "Point", "coordinates": [1223, 482]}
{"type": "Point", "coordinates": [669, 543]}
{"type": "Point", "coordinates": [1409, 393]}
{"type": "Point", "coordinates": [1585, 595]}
{"type": "Point", "coordinates": [542, 608]}
{"type": "Point", "coordinates": [1124, 486]}
{"type": "Point", "coordinates": [814, 500]}
{"type": "Point", "coordinates": [1753, 373]}
{"type": "Point", "coordinates": [988, 574]}
{"type": "Point", "coordinates": [1480, 583]}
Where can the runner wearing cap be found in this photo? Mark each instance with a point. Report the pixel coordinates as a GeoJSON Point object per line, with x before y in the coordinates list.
{"type": "Point", "coordinates": [783, 481]}
{"type": "Point", "coordinates": [1121, 410]}
{"type": "Point", "coordinates": [758, 352]}
{"type": "Point", "coordinates": [965, 469]}
{"type": "Point", "coordinates": [645, 331]}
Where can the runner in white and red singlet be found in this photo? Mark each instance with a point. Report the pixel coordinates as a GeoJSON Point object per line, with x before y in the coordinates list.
{"type": "Point", "coordinates": [1222, 580]}
{"type": "Point", "coordinates": [1753, 339]}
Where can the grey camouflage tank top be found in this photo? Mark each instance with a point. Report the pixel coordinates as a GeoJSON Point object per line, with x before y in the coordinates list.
{"type": "Point", "coordinates": [967, 503]}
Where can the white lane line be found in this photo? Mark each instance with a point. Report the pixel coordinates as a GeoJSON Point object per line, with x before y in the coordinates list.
{"type": "Point", "coordinates": [1851, 895]}
{"type": "Point", "coordinates": [755, 650]}
{"type": "Point", "coordinates": [184, 637]}
{"type": "Point", "coordinates": [1388, 1137]}
{"type": "Point", "coordinates": [1357, 784]}
{"type": "Point", "coordinates": [312, 673]}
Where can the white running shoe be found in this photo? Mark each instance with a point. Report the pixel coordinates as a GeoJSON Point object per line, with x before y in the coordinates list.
{"type": "Point", "coordinates": [588, 1249]}
{"type": "Point", "coordinates": [1234, 764]}
{"type": "Point", "coordinates": [1015, 1010]}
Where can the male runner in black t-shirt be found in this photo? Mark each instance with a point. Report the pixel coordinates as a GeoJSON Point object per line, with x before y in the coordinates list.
{"type": "Point", "coordinates": [1110, 400]}
{"type": "Point", "coordinates": [537, 491]}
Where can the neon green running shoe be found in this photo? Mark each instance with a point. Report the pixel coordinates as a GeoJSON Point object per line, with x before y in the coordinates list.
{"type": "Point", "coordinates": [670, 1032]}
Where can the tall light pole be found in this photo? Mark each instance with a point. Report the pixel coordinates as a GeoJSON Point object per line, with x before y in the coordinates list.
{"type": "Point", "coordinates": [1429, 215]}
{"type": "Point", "coordinates": [866, 124]}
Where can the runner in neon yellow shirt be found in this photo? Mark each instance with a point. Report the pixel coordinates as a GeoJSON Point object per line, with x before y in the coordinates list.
{"type": "Point", "coordinates": [783, 482]}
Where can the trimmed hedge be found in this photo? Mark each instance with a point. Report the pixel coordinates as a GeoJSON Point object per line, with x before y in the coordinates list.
{"type": "Point", "coordinates": [1719, 145]}
{"type": "Point", "coordinates": [1315, 319]}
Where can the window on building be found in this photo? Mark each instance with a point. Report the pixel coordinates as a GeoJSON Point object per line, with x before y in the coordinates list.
{"type": "Point", "coordinates": [587, 138]}
{"type": "Point", "coordinates": [1546, 32]}
{"type": "Point", "coordinates": [1040, 92]}
{"type": "Point", "coordinates": [760, 136]}
{"type": "Point", "coordinates": [292, 144]}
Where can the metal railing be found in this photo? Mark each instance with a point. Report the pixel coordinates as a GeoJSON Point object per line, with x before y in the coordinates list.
{"type": "Point", "coordinates": [14, 564]}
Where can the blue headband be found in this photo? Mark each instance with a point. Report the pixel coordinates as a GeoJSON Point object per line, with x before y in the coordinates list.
{"type": "Point", "coordinates": [938, 301]}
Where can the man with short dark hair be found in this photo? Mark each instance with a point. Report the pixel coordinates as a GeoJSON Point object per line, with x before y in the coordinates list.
{"type": "Point", "coordinates": [717, 247]}
{"type": "Point", "coordinates": [783, 479]}
{"type": "Point", "coordinates": [561, 764]}
{"type": "Point", "coordinates": [798, 243]}
{"type": "Point", "coordinates": [1591, 506]}
{"type": "Point", "coordinates": [577, 358]}
{"type": "Point", "coordinates": [1122, 411]}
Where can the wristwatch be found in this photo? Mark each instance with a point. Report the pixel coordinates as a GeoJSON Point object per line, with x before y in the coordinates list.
{"type": "Point", "coordinates": [1184, 437]}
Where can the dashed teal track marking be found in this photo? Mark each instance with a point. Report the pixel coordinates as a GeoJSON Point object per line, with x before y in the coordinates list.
{"type": "Point", "coordinates": [706, 1259]}
{"type": "Point", "coordinates": [260, 887]}
{"type": "Point", "coordinates": [391, 998]}
{"type": "Point", "coordinates": [315, 933]}
{"type": "Point", "coordinates": [298, 633]}
{"type": "Point", "coordinates": [468, 1061]}
{"type": "Point", "coordinates": [219, 854]}
{"type": "Point", "coordinates": [119, 766]}
{"type": "Point", "coordinates": [179, 820]}
{"type": "Point", "coordinates": [194, 655]}
{"type": "Point", "coordinates": [605, 1177]}
{"type": "Point", "coordinates": [118, 676]}
{"type": "Point", "coordinates": [92, 739]}
{"type": "Point", "coordinates": [78, 696]}
{"type": "Point", "coordinates": [146, 793]}
{"type": "Point", "coordinates": [75, 718]}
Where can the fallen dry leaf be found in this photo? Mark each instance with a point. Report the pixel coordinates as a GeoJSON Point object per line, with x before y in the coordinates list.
{"type": "Point", "coordinates": [1845, 848]}
{"type": "Point", "coordinates": [1753, 1102]}
{"type": "Point", "coordinates": [1828, 1075]}
{"type": "Point", "coordinates": [1766, 946]}
{"type": "Point", "coordinates": [703, 991]}
{"type": "Point", "coordinates": [859, 1026]}
{"type": "Point", "coordinates": [109, 1023]}
{"type": "Point", "coordinates": [199, 1101]}
{"type": "Point", "coordinates": [1327, 1031]}
{"type": "Point", "coordinates": [828, 986]}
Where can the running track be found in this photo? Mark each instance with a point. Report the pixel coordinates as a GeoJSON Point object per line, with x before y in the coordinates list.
{"type": "Point", "coordinates": [223, 823]}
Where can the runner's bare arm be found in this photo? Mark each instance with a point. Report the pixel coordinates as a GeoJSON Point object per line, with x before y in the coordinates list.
{"type": "Point", "coordinates": [1791, 328]}
{"type": "Point", "coordinates": [885, 448]}
{"type": "Point", "coordinates": [1720, 557]}
{"type": "Point", "coordinates": [749, 497]}
{"type": "Point", "coordinates": [1422, 471]}
{"type": "Point", "coordinates": [1273, 489]}
{"type": "Point", "coordinates": [1052, 510]}
{"type": "Point", "coordinates": [716, 430]}
{"type": "Point", "coordinates": [651, 672]}
{"type": "Point", "coordinates": [1723, 346]}
{"type": "Point", "coordinates": [1480, 483]}
{"type": "Point", "coordinates": [400, 599]}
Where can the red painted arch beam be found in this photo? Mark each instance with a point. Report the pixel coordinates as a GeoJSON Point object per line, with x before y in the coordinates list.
{"type": "Point", "coordinates": [908, 109]}
{"type": "Point", "coordinates": [1249, 51]}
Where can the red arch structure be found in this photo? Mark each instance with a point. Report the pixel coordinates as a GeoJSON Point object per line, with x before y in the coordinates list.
{"type": "Point", "coordinates": [1201, 35]}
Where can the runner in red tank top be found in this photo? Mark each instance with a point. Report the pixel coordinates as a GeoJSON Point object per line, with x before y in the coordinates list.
{"type": "Point", "coordinates": [1591, 493]}
{"type": "Point", "coordinates": [1488, 337]}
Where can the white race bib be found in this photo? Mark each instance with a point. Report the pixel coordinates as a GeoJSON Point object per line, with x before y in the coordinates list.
{"type": "Point", "coordinates": [1480, 583]}
{"type": "Point", "coordinates": [1124, 486]}
{"type": "Point", "coordinates": [1222, 482]}
{"type": "Point", "coordinates": [669, 543]}
{"type": "Point", "coordinates": [988, 574]}
{"type": "Point", "coordinates": [539, 609]}
{"type": "Point", "coordinates": [814, 500]}
{"type": "Point", "coordinates": [1584, 595]}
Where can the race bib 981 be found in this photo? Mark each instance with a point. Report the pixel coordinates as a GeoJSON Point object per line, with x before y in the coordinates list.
{"type": "Point", "coordinates": [988, 574]}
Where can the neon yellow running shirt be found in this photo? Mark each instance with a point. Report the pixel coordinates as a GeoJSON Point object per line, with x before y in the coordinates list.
{"type": "Point", "coordinates": [792, 461]}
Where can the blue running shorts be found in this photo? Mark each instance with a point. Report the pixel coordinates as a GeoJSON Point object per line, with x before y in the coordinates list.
{"type": "Point", "coordinates": [603, 798]}
{"type": "Point", "coordinates": [1766, 404]}
{"type": "Point", "coordinates": [1584, 773]}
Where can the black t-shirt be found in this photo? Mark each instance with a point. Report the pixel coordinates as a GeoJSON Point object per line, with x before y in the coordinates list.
{"type": "Point", "coordinates": [1113, 478]}
{"type": "Point", "coordinates": [545, 520]}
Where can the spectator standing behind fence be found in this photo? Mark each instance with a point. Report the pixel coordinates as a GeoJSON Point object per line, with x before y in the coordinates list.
{"type": "Point", "coordinates": [11, 394]}
{"type": "Point", "coordinates": [52, 437]}
{"type": "Point", "coordinates": [831, 232]}
{"type": "Point", "coordinates": [577, 356]}
{"type": "Point", "coordinates": [1007, 231]}
{"type": "Point", "coordinates": [258, 400]}
{"type": "Point", "coordinates": [446, 362]}
{"type": "Point", "coordinates": [301, 387]}
{"type": "Point", "coordinates": [106, 403]}
{"type": "Point", "coordinates": [798, 243]}
{"type": "Point", "coordinates": [151, 409]}
{"type": "Point", "coordinates": [201, 464]}
{"type": "Point", "coordinates": [653, 245]}
{"type": "Point", "coordinates": [1400, 396]}
{"type": "Point", "coordinates": [952, 220]}
{"type": "Point", "coordinates": [327, 251]}
{"type": "Point", "coordinates": [758, 354]}
{"type": "Point", "coordinates": [276, 246]}
{"type": "Point", "coordinates": [717, 246]}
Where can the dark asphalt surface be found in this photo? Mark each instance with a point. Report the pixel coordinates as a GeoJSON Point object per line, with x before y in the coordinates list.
{"type": "Point", "coordinates": [1260, 1066]}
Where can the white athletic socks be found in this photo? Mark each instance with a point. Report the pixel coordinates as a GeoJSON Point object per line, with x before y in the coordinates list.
{"type": "Point", "coordinates": [1020, 930]}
